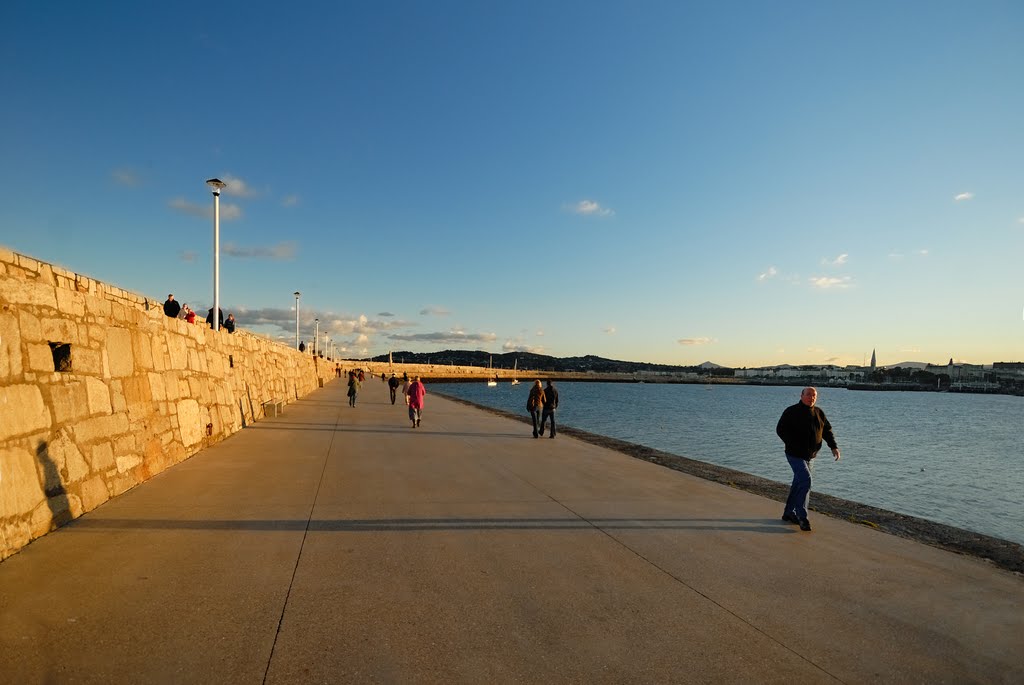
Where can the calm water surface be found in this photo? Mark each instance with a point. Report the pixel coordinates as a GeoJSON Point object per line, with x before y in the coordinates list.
{"type": "Point", "coordinates": [951, 458]}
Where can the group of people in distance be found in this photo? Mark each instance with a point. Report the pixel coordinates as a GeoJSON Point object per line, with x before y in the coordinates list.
{"type": "Point", "coordinates": [184, 312]}
{"type": "Point", "coordinates": [414, 391]}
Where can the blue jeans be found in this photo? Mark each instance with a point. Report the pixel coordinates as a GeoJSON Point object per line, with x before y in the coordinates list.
{"type": "Point", "coordinates": [544, 419]}
{"type": "Point", "coordinates": [800, 491]}
{"type": "Point", "coordinates": [535, 415]}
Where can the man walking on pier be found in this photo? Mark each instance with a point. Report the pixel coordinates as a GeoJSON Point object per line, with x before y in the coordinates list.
{"type": "Point", "coordinates": [415, 394]}
{"type": "Point", "coordinates": [802, 427]}
{"type": "Point", "coordinates": [550, 404]}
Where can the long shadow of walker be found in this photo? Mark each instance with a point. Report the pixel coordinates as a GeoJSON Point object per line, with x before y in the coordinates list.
{"type": "Point", "coordinates": [770, 526]}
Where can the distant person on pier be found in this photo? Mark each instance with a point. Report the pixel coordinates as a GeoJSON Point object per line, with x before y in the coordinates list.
{"type": "Point", "coordinates": [550, 404]}
{"type": "Point", "coordinates": [302, 346]}
{"type": "Point", "coordinates": [229, 323]}
{"type": "Point", "coordinates": [393, 384]}
{"type": "Point", "coordinates": [188, 314]}
{"type": "Point", "coordinates": [802, 428]}
{"type": "Point", "coordinates": [220, 317]}
{"type": "Point", "coordinates": [353, 388]}
{"type": "Point", "coordinates": [534, 404]}
{"type": "Point", "coordinates": [415, 396]}
{"type": "Point", "coordinates": [362, 377]}
{"type": "Point", "coordinates": [171, 307]}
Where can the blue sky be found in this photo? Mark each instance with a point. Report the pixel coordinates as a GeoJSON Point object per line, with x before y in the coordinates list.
{"type": "Point", "coordinates": [747, 183]}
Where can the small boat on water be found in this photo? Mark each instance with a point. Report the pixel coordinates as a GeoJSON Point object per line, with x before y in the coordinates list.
{"type": "Point", "coordinates": [491, 382]}
{"type": "Point", "coordinates": [515, 372]}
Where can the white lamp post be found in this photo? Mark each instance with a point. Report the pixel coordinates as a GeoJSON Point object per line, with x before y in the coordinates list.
{"type": "Point", "coordinates": [316, 337]}
{"type": "Point", "coordinates": [216, 184]}
{"type": "Point", "coordinates": [297, 293]}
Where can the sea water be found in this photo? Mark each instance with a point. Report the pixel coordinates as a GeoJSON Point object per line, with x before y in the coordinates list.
{"type": "Point", "coordinates": [947, 457]}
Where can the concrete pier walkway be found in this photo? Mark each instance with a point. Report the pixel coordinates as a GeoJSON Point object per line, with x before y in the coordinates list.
{"type": "Point", "coordinates": [336, 544]}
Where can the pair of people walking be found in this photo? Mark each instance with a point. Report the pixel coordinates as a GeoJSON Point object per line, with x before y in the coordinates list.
{"type": "Point", "coordinates": [541, 404]}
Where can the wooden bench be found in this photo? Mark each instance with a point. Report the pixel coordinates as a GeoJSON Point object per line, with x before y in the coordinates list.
{"type": "Point", "coordinates": [273, 407]}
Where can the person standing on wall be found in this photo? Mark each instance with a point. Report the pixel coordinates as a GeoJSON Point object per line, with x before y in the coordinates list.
{"type": "Point", "coordinates": [171, 307]}
{"type": "Point", "coordinates": [416, 393]}
{"type": "Point", "coordinates": [550, 404]}
{"type": "Point", "coordinates": [534, 403]}
{"type": "Point", "coordinates": [802, 428]}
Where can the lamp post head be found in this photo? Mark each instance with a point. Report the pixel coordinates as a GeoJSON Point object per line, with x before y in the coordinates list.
{"type": "Point", "coordinates": [296, 293]}
{"type": "Point", "coordinates": [317, 320]}
{"type": "Point", "coordinates": [216, 184]}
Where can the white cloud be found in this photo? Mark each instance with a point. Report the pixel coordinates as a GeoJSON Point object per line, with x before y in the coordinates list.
{"type": "Point", "coordinates": [519, 346]}
{"type": "Point", "coordinates": [281, 251]}
{"type": "Point", "coordinates": [289, 200]}
{"type": "Point", "coordinates": [610, 330]}
{"type": "Point", "coordinates": [964, 196]}
{"type": "Point", "coordinates": [1020, 220]}
{"type": "Point", "coordinates": [540, 334]}
{"type": "Point", "coordinates": [228, 211]}
{"type": "Point", "coordinates": [447, 337]}
{"type": "Point", "coordinates": [434, 311]}
{"type": "Point", "coordinates": [772, 272]}
{"type": "Point", "coordinates": [237, 187]}
{"type": "Point", "coordinates": [188, 255]}
{"type": "Point", "coordinates": [895, 255]}
{"type": "Point", "coordinates": [831, 282]}
{"type": "Point", "coordinates": [591, 208]}
{"type": "Point", "coordinates": [695, 341]}
{"type": "Point", "coordinates": [923, 252]}
{"type": "Point", "coordinates": [838, 261]}
{"type": "Point", "coordinates": [126, 177]}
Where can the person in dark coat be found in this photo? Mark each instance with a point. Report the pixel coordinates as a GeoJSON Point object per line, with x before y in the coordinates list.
{"type": "Point", "coordinates": [220, 317]}
{"type": "Point", "coordinates": [229, 323]}
{"type": "Point", "coordinates": [550, 404]}
{"type": "Point", "coordinates": [802, 428]}
{"type": "Point", "coordinates": [171, 307]}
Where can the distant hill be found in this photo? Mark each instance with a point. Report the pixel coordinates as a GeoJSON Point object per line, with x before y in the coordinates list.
{"type": "Point", "coordinates": [907, 365]}
{"type": "Point", "coordinates": [539, 362]}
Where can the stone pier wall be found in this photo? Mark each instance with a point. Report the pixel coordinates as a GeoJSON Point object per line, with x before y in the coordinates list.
{"type": "Point", "coordinates": [100, 391]}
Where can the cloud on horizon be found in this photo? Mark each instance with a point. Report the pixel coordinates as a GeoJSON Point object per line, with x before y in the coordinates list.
{"type": "Point", "coordinates": [610, 330]}
{"type": "Point", "coordinates": [838, 261]}
{"type": "Point", "coordinates": [384, 314]}
{"type": "Point", "coordinates": [289, 200]}
{"type": "Point", "coordinates": [446, 337]}
{"type": "Point", "coordinates": [831, 282]}
{"type": "Point", "coordinates": [518, 346]}
{"type": "Point", "coordinates": [772, 272]}
{"type": "Point", "coordinates": [590, 208]}
{"type": "Point", "coordinates": [281, 252]}
{"type": "Point", "coordinates": [695, 341]}
{"type": "Point", "coordinates": [434, 311]}
{"type": "Point", "coordinates": [228, 211]}
{"type": "Point", "coordinates": [963, 196]}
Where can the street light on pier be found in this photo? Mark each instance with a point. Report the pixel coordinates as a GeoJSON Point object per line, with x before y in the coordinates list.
{"type": "Point", "coordinates": [297, 294]}
{"type": "Point", "coordinates": [215, 185]}
{"type": "Point", "coordinates": [316, 338]}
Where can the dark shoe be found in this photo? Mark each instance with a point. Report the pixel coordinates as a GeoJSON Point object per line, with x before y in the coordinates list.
{"type": "Point", "coordinates": [551, 436]}
{"type": "Point", "coordinates": [805, 525]}
{"type": "Point", "coordinates": [535, 435]}
{"type": "Point", "coordinates": [790, 517]}
{"type": "Point", "coordinates": [417, 423]}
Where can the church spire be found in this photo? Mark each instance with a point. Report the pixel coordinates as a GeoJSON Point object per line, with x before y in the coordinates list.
{"type": "Point", "coordinates": [873, 361]}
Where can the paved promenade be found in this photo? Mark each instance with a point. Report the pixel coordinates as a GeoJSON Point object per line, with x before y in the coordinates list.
{"type": "Point", "coordinates": [339, 545]}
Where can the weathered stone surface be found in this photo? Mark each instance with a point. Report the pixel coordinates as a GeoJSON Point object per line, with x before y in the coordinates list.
{"type": "Point", "coordinates": [68, 401]}
{"type": "Point", "coordinates": [70, 302]}
{"type": "Point", "coordinates": [94, 493]}
{"type": "Point", "coordinates": [67, 457]}
{"type": "Point", "coordinates": [20, 487]}
{"type": "Point", "coordinates": [16, 291]}
{"type": "Point", "coordinates": [119, 352]}
{"type": "Point", "coordinates": [10, 345]}
{"type": "Point", "coordinates": [178, 351]}
{"type": "Point", "coordinates": [98, 395]}
{"type": "Point", "coordinates": [128, 462]}
{"type": "Point", "coordinates": [102, 457]}
{"type": "Point", "coordinates": [59, 330]}
{"type": "Point", "coordinates": [86, 360]}
{"type": "Point", "coordinates": [40, 358]}
{"type": "Point", "coordinates": [100, 427]}
{"type": "Point", "coordinates": [189, 422]}
{"type": "Point", "coordinates": [156, 386]}
{"type": "Point", "coordinates": [23, 411]}
{"type": "Point", "coordinates": [31, 330]}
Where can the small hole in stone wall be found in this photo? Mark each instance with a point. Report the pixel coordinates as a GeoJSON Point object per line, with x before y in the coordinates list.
{"type": "Point", "coordinates": [61, 356]}
{"type": "Point", "coordinates": [231, 361]}
{"type": "Point", "coordinates": [209, 429]}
